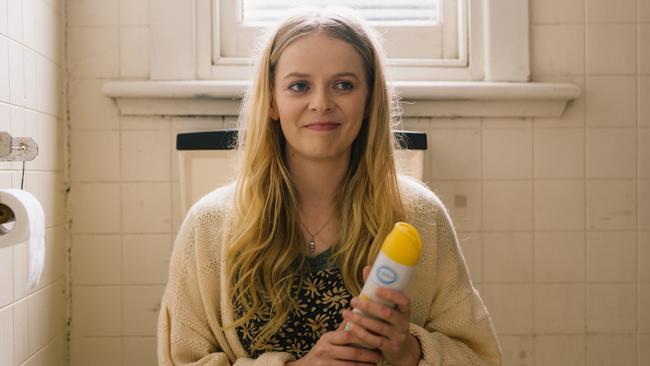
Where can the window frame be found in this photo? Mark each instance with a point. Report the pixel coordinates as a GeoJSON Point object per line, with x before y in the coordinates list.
{"type": "Point", "coordinates": [467, 67]}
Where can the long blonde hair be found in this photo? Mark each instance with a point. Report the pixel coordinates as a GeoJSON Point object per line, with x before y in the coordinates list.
{"type": "Point", "coordinates": [266, 259]}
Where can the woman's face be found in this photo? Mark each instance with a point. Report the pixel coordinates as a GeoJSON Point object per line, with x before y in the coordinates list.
{"type": "Point", "coordinates": [319, 96]}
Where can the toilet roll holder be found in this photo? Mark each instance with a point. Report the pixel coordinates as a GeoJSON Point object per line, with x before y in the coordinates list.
{"type": "Point", "coordinates": [14, 149]}
{"type": "Point", "coordinates": [17, 148]}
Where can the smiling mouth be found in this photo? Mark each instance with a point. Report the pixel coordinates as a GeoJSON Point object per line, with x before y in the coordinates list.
{"type": "Point", "coordinates": [322, 125]}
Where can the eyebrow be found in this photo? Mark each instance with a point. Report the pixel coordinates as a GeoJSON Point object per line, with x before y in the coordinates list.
{"type": "Point", "coordinates": [337, 75]}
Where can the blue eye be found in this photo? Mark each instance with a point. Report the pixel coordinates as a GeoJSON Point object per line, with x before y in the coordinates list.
{"type": "Point", "coordinates": [298, 87]}
{"type": "Point", "coordinates": [344, 85]}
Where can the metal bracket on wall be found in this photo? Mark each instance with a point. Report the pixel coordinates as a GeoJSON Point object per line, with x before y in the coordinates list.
{"type": "Point", "coordinates": [17, 148]}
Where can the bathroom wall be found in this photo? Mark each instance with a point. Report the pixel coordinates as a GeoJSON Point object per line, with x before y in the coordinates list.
{"type": "Point", "coordinates": [553, 214]}
{"type": "Point", "coordinates": [33, 321]}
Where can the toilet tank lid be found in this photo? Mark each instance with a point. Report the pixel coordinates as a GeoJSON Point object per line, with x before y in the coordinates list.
{"type": "Point", "coordinates": [225, 139]}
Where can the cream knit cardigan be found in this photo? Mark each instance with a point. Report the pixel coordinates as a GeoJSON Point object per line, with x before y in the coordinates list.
{"type": "Point", "coordinates": [448, 317]}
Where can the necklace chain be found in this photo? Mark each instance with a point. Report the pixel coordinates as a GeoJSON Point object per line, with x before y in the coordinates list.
{"type": "Point", "coordinates": [311, 244]}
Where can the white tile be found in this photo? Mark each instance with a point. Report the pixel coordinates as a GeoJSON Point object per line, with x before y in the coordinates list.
{"type": "Point", "coordinates": [507, 257]}
{"type": "Point", "coordinates": [611, 101]}
{"type": "Point", "coordinates": [3, 18]}
{"type": "Point", "coordinates": [146, 208]}
{"type": "Point", "coordinates": [644, 204]}
{"type": "Point", "coordinates": [141, 308]}
{"type": "Point", "coordinates": [558, 11]}
{"type": "Point", "coordinates": [611, 10]}
{"type": "Point", "coordinates": [6, 275]}
{"type": "Point", "coordinates": [146, 258]}
{"type": "Point", "coordinates": [140, 351]}
{"type": "Point", "coordinates": [560, 350]}
{"type": "Point", "coordinates": [48, 33]}
{"type": "Point", "coordinates": [96, 208]}
{"type": "Point", "coordinates": [644, 256]}
{"type": "Point", "coordinates": [510, 306]}
{"type": "Point", "coordinates": [96, 351]}
{"type": "Point", "coordinates": [15, 20]}
{"type": "Point", "coordinates": [172, 53]}
{"type": "Point", "coordinates": [49, 93]}
{"type": "Point", "coordinates": [177, 212]}
{"type": "Point", "coordinates": [559, 153]}
{"type": "Point", "coordinates": [17, 87]}
{"type": "Point", "coordinates": [517, 350]}
{"type": "Point", "coordinates": [559, 257]}
{"type": "Point", "coordinates": [96, 311]}
{"type": "Point", "coordinates": [5, 92]}
{"type": "Point", "coordinates": [611, 153]}
{"type": "Point", "coordinates": [93, 12]}
{"type": "Point", "coordinates": [643, 9]}
{"type": "Point", "coordinates": [644, 94]}
{"type": "Point", "coordinates": [559, 309]}
{"type": "Point", "coordinates": [455, 154]}
{"type": "Point", "coordinates": [6, 337]}
{"type": "Point", "coordinates": [29, 26]}
{"type": "Point", "coordinates": [644, 349]}
{"type": "Point", "coordinates": [94, 52]}
{"type": "Point", "coordinates": [96, 259]}
{"type": "Point", "coordinates": [558, 49]}
{"type": "Point", "coordinates": [90, 109]}
{"type": "Point", "coordinates": [463, 199]}
{"type": "Point", "coordinates": [47, 315]}
{"type": "Point", "coordinates": [611, 308]}
{"type": "Point", "coordinates": [644, 303]}
{"type": "Point", "coordinates": [134, 12]}
{"type": "Point", "coordinates": [559, 205]}
{"type": "Point", "coordinates": [54, 354]}
{"type": "Point", "coordinates": [134, 52]}
{"type": "Point", "coordinates": [507, 153]}
{"type": "Point", "coordinates": [95, 156]}
{"type": "Point", "coordinates": [611, 49]}
{"type": "Point", "coordinates": [507, 205]}
{"type": "Point", "coordinates": [146, 156]}
{"type": "Point", "coordinates": [472, 248]}
{"type": "Point", "coordinates": [611, 256]}
{"type": "Point", "coordinates": [644, 50]}
{"type": "Point", "coordinates": [21, 336]}
{"type": "Point", "coordinates": [611, 205]}
{"type": "Point", "coordinates": [611, 349]}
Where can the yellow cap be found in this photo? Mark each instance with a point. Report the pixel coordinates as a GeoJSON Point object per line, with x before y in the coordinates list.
{"type": "Point", "coordinates": [403, 244]}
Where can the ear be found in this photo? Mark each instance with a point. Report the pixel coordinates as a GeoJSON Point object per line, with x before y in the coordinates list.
{"type": "Point", "coordinates": [273, 110]}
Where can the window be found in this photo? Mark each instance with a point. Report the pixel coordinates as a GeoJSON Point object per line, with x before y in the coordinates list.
{"type": "Point", "coordinates": [424, 39]}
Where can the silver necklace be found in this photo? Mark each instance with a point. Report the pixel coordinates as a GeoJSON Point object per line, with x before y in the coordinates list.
{"type": "Point", "coordinates": [311, 244]}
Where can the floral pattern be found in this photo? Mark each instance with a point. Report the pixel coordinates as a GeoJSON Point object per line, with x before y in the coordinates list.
{"type": "Point", "coordinates": [321, 300]}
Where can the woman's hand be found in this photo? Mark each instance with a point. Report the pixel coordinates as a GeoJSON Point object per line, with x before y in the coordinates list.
{"type": "Point", "coordinates": [390, 335]}
{"type": "Point", "coordinates": [334, 348]}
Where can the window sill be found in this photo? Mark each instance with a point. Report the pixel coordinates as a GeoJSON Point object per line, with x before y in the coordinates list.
{"type": "Point", "coordinates": [420, 99]}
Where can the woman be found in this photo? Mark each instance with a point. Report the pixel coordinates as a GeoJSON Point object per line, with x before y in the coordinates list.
{"type": "Point", "coordinates": [264, 271]}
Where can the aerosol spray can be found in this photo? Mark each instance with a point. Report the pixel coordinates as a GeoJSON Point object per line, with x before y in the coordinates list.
{"type": "Point", "coordinates": [397, 258]}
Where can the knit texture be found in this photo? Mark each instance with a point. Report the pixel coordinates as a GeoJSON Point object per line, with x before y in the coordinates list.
{"type": "Point", "coordinates": [448, 316]}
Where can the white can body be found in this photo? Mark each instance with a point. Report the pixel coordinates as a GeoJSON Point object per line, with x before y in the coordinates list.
{"type": "Point", "coordinates": [386, 272]}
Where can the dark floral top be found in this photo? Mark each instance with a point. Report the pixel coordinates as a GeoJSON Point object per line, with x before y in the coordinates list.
{"type": "Point", "coordinates": [321, 300]}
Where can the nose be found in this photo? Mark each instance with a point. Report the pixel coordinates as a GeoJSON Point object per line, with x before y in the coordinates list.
{"type": "Point", "coordinates": [321, 101]}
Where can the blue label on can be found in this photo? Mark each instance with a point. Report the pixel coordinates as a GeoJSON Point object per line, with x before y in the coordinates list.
{"type": "Point", "coordinates": [386, 275]}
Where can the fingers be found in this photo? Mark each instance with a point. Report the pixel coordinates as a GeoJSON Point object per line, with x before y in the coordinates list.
{"type": "Point", "coordinates": [366, 272]}
{"type": "Point", "coordinates": [393, 316]}
{"type": "Point", "coordinates": [396, 297]}
{"type": "Point", "coordinates": [355, 354]}
{"type": "Point", "coordinates": [373, 332]}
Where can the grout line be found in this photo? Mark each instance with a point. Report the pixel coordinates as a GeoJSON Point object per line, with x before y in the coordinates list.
{"type": "Point", "coordinates": [586, 196]}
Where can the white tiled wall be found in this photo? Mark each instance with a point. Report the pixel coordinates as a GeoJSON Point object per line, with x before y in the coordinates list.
{"type": "Point", "coordinates": [553, 214]}
{"type": "Point", "coordinates": [33, 321]}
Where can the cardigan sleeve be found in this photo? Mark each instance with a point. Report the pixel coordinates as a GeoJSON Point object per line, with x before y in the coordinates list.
{"type": "Point", "coordinates": [458, 329]}
{"type": "Point", "coordinates": [189, 332]}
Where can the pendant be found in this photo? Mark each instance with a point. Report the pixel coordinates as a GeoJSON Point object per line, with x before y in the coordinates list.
{"type": "Point", "coordinates": [311, 247]}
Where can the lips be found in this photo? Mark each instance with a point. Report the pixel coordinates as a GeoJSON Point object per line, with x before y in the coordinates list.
{"type": "Point", "coordinates": [323, 124]}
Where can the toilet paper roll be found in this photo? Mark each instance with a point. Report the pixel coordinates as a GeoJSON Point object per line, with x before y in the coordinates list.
{"type": "Point", "coordinates": [28, 225]}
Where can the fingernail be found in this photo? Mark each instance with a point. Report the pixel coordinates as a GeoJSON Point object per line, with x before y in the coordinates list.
{"type": "Point", "coordinates": [348, 327]}
{"type": "Point", "coordinates": [354, 301]}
